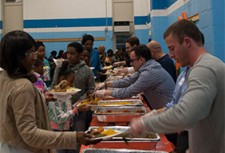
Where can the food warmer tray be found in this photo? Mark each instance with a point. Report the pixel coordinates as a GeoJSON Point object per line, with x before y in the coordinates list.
{"type": "Point", "coordinates": [119, 114]}
{"type": "Point", "coordinates": [106, 150]}
{"type": "Point", "coordinates": [121, 102]}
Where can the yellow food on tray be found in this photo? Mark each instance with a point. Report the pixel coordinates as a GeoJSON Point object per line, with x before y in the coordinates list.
{"type": "Point", "coordinates": [109, 132]}
{"type": "Point", "coordinates": [116, 103]}
{"type": "Point", "coordinates": [71, 89]}
{"type": "Point", "coordinates": [89, 102]}
{"type": "Point", "coordinates": [101, 132]}
{"type": "Point", "coordinates": [107, 67]}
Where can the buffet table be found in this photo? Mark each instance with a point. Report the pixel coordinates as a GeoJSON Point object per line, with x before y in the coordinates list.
{"type": "Point", "coordinates": [162, 145]}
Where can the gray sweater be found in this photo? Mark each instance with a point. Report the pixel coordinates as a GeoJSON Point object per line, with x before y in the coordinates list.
{"type": "Point", "coordinates": [151, 79]}
{"type": "Point", "coordinates": [84, 79]}
{"type": "Point", "coordinates": [201, 109]}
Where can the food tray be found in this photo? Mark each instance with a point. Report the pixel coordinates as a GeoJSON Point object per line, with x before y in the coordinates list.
{"type": "Point", "coordinates": [123, 132]}
{"type": "Point", "coordinates": [124, 110]}
{"type": "Point", "coordinates": [85, 102]}
{"type": "Point", "coordinates": [149, 137]}
{"type": "Point", "coordinates": [106, 137]}
{"type": "Point", "coordinates": [121, 102]}
{"type": "Point", "coordinates": [119, 114]}
{"type": "Point", "coordinates": [106, 150]}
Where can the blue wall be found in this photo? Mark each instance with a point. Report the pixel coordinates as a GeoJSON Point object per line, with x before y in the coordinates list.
{"type": "Point", "coordinates": [161, 4]}
{"type": "Point", "coordinates": [63, 45]}
{"type": "Point", "coordinates": [52, 23]}
{"type": "Point", "coordinates": [158, 26]}
{"type": "Point", "coordinates": [81, 22]}
{"type": "Point", "coordinates": [218, 27]}
{"type": "Point", "coordinates": [211, 23]}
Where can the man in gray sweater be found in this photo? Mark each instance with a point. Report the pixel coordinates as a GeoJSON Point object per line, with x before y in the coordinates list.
{"type": "Point", "coordinates": [201, 109]}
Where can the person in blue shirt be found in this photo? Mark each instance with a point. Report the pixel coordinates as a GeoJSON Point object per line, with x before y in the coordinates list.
{"type": "Point", "coordinates": [87, 42]}
{"type": "Point", "coordinates": [162, 58]}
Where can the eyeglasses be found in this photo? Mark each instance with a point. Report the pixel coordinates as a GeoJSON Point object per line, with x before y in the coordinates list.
{"type": "Point", "coordinates": [31, 53]}
{"type": "Point", "coordinates": [132, 60]}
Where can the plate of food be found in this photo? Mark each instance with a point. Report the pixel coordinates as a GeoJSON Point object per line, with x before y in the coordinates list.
{"type": "Point", "coordinates": [93, 103]}
{"type": "Point", "coordinates": [103, 132]}
{"type": "Point", "coordinates": [107, 67]}
{"type": "Point", "coordinates": [63, 88]}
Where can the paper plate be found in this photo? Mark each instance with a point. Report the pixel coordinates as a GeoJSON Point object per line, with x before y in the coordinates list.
{"type": "Point", "coordinates": [92, 68]}
{"type": "Point", "coordinates": [109, 137]}
{"type": "Point", "coordinates": [107, 67]}
{"type": "Point", "coordinates": [74, 91]}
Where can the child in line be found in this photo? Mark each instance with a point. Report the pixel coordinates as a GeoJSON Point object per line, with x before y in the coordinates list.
{"type": "Point", "coordinates": [38, 72]}
{"type": "Point", "coordinates": [62, 112]}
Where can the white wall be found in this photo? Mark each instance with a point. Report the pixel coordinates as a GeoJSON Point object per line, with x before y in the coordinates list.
{"type": "Point", "coordinates": [141, 7]}
{"type": "Point", "coordinates": [78, 9]}
{"type": "Point", "coordinates": [58, 9]}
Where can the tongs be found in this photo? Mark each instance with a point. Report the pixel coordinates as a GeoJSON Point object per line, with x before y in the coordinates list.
{"type": "Point", "coordinates": [91, 97]}
{"type": "Point", "coordinates": [124, 138]}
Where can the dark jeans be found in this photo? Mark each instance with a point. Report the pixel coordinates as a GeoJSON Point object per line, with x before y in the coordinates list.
{"type": "Point", "coordinates": [82, 121]}
{"type": "Point", "coordinates": [172, 138]}
{"type": "Point", "coordinates": [182, 142]}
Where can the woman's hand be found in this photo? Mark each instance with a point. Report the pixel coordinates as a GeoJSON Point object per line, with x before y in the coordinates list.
{"type": "Point", "coordinates": [85, 138]}
{"type": "Point", "coordinates": [49, 97]}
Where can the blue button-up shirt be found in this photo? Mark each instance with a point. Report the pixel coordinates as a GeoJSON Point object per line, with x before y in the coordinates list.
{"type": "Point", "coordinates": [180, 87]}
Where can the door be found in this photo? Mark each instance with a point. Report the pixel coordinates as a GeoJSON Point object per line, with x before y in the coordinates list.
{"type": "Point", "coordinates": [123, 20]}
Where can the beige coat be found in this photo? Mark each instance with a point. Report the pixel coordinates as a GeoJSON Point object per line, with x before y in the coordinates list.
{"type": "Point", "coordinates": [24, 121]}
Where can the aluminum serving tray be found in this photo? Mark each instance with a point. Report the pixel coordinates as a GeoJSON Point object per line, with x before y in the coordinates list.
{"type": "Point", "coordinates": [123, 130]}
{"type": "Point", "coordinates": [93, 106]}
{"type": "Point", "coordinates": [119, 114]}
{"type": "Point", "coordinates": [149, 144]}
{"type": "Point", "coordinates": [131, 102]}
{"type": "Point", "coordinates": [155, 137]}
{"type": "Point", "coordinates": [106, 150]}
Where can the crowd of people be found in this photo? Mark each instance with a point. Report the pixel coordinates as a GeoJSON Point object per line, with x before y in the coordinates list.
{"type": "Point", "coordinates": [33, 120]}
